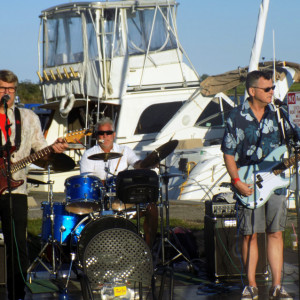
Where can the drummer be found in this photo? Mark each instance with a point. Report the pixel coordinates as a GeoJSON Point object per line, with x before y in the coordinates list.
{"type": "Point", "coordinates": [105, 135]}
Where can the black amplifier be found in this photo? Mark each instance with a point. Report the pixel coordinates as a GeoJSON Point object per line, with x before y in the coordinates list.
{"type": "Point", "coordinates": [219, 209]}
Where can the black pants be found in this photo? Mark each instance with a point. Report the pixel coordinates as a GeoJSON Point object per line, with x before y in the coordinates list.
{"type": "Point", "coordinates": [20, 260]}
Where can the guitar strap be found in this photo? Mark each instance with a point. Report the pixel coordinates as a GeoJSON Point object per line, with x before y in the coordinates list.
{"type": "Point", "coordinates": [18, 130]}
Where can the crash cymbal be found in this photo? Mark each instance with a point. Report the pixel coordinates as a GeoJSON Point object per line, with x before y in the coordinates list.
{"type": "Point", "coordinates": [105, 156]}
{"type": "Point", "coordinates": [159, 154]}
{"type": "Point", "coordinates": [34, 181]}
{"type": "Point", "coordinates": [58, 162]}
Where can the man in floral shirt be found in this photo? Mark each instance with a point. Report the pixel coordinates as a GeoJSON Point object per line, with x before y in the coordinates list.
{"type": "Point", "coordinates": [252, 133]}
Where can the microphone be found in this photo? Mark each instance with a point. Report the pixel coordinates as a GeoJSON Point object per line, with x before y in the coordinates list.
{"type": "Point", "coordinates": [5, 99]}
{"type": "Point", "coordinates": [279, 103]}
{"type": "Point", "coordinates": [100, 141]}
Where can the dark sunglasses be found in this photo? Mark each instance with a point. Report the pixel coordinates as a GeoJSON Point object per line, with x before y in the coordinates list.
{"type": "Point", "coordinates": [266, 90]}
{"type": "Point", "coordinates": [108, 132]}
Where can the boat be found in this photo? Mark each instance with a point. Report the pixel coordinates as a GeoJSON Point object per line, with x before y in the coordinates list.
{"type": "Point", "coordinates": [124, 60]}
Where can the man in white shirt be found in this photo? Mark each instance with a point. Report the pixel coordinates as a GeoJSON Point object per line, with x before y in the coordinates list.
{"type": "Point", "coordinates": [105, 169]}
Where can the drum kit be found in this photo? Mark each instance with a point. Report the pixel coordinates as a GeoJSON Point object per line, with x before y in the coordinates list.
{"type": "Point", "coordinates": [92, 207]}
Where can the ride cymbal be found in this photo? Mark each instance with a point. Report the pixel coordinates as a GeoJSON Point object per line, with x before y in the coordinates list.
{"type": "Point", "coordinates": [105, 156]}
{"type": "Point", "coordinates": [159, 154]}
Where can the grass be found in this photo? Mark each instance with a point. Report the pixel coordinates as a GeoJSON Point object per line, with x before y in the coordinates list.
{"type": "Point", "coordinates": [35, 228]}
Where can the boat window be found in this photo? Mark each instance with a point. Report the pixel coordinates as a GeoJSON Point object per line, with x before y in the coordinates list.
{"type": "Point", "coordinates": [213, 115]}
{"type": "Point", "coordinates": [63, 40]}
{"type": "Point", "coordinates": [91, 38]}
{"type": "Point", "coordinates": [156, 116]}
{"type": "Point", "coordinates": [140, 26]}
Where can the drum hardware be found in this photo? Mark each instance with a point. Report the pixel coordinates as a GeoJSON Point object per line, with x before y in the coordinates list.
{"type": "Point", "coordinates": [55, 247]}
{"type": "Point", "coordinates": [105, 156]}
{"type": "Point", "coordinates": [165, 230]}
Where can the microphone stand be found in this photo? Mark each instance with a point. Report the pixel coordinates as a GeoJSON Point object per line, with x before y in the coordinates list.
{"type": "Point", "coordinates": [292, 141]}
{"type": "Point", "coordinates": [8, 174]}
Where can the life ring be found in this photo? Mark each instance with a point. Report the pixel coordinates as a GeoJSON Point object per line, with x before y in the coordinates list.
{"type": "Point", "coordinates": [63, 109]}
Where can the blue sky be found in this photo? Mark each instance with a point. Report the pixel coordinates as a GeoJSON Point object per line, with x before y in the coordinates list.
{"type": "Point", "coordinates": [216, 34]}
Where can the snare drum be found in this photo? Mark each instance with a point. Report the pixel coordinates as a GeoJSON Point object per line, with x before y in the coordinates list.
{"type": "Point", "coordinates": [63, 222]}
{"type": "Point", "coordinates": [83, 194]}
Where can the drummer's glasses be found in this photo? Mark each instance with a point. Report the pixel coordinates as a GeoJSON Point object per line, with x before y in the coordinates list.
{"type": "Point", "coordinates": [107, 132]}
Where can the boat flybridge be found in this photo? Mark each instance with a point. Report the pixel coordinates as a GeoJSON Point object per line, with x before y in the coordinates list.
{"type": "Point", "coordinates": [124, 60]}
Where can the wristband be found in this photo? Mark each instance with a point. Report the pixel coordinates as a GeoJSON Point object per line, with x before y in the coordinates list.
{"type": "Point", "coordinates": [235, 180]}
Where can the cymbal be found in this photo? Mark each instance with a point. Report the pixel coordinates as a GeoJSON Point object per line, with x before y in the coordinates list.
{"type": "Point", "coordinates": [159, 154]}
{"type": "Point", "coordinates": [35, 181]}
{"type": "Point", "coordinates": [58, 162]}
{"type": "Point", "coordinates": [105, 156]}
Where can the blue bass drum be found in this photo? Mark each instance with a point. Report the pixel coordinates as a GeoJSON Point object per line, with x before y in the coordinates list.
{"type": "Point", "coordinates": [83, 194]}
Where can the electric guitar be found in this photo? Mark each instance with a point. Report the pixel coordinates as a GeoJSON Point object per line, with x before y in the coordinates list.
{"type": "Point", "coordinates": [265, 177]}
{"type": "Point", "coordinates": [70, 137]}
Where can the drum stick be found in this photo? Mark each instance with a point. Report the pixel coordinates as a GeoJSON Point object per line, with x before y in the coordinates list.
{"type": "Point", "coordinates": [118, 163]}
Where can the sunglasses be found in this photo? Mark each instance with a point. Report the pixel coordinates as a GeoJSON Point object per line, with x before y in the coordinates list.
{"type": "Point", "coordinates": [107, 132]}
{"type": "Point", "coordinates": [266, 90]}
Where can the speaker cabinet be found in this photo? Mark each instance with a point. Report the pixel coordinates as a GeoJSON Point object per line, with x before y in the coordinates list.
{"type": "Point", "coordinates": [2, 263]}
{"type": "Point", "coordinates": [223, 248]}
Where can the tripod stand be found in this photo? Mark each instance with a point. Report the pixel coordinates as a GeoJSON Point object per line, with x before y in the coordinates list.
{"type": "Point", "coordinates": [55, 247]}
{"type": "Point", "coordinates": [164, 205]}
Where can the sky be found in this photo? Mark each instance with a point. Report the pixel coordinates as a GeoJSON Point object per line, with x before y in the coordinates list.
{"type": "Point", "coordinates": [217, 35]}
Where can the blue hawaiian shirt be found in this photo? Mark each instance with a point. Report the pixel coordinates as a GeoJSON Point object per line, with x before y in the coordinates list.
{"type": "Point", "coordinates": [250, 141]}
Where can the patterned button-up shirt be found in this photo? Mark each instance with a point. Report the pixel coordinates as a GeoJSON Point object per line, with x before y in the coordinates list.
{"type": "Point", "coordinates": [250, 141]}
{"type": "Point", "coordinates": [31, 138]}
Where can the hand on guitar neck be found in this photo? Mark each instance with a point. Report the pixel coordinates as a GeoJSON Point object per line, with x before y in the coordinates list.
{"type": "Point", "coordinates": [60, 145]}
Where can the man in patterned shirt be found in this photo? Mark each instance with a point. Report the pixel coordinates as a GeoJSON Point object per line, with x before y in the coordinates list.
{"type": "Point", "coordinates": [31, 137]}
{"type": "Point", "coordinates": [252, 132]}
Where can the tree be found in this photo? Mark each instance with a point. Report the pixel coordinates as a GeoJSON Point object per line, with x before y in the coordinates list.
{"type": "Point", "coordinates": [29, 92]}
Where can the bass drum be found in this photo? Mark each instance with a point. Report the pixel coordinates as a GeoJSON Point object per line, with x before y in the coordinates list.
{"type": "Point", "coordinates": [95, 226]}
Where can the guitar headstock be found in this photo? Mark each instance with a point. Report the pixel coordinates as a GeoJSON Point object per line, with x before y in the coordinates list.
{"type": "Point", "coordinates": [74, 136]}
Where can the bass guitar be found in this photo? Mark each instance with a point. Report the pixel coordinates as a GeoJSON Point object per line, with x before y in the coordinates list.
{"type": "Point", "coordinates": [70, 137]}
{"type": "Point", "coordinates": [265, 177]}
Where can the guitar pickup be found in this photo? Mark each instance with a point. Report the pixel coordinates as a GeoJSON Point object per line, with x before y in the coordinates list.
{"type": "Point", "coordinates": [259, 180]}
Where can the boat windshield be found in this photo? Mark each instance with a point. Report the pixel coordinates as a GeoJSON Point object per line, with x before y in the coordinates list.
{"type": "Point", "coordinates": [70, 36]}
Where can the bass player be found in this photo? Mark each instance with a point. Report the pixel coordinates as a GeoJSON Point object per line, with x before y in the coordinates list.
{"type": "Point", "coordinates": [252, 132]}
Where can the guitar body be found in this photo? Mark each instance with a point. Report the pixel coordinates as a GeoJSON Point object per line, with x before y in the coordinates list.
{"type": "Point", "coordinates": [263, 179]}
{"type": "Point", "coordinates": [70, 137]}
{"type": "Point", "coordinates": [3, 174]}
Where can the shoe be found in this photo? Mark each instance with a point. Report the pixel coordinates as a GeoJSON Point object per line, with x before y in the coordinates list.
{"type": "Point", "coordinates": [278, 292]}
{"type": "Point", "coordinates": [249, 293]}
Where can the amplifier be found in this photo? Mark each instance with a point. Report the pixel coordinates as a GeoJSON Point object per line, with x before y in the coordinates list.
{"type": "Point", "coordinates": [219, 209]}
{"type": "Point", "coordinates": [223, 248]}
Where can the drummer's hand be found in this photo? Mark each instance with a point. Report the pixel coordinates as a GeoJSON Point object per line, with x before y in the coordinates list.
{"type": "Point", "coordinates": [60, 145]}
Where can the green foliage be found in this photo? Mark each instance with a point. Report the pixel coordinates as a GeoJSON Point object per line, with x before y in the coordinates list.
{"type": "Point", "coordinates": [29, 92]}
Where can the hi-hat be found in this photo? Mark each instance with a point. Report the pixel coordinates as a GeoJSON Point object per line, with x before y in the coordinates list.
{"type": "Point", "coordinates": [159, 154]}
{"type": "Point", "coordinates": [59, 162]}
{"type": "Point", "coordinates": [105, 156]}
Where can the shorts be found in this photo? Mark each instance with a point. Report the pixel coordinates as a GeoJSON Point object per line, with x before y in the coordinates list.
{"type": "Point", "coordinates": [271, 217]}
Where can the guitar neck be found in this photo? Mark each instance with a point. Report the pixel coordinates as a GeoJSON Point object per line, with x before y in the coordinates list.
{"type": "Point", "coordinates": [30, 159]}
{"type": "Point", "coordinates": [287, 163]}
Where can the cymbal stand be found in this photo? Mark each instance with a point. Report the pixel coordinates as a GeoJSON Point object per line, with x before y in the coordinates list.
{"type": "Point", "coordinates": [165, 231]}
{"type": "Point", "coordinates": [51, 241]}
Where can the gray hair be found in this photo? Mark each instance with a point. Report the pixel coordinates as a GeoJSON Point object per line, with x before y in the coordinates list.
{"type": "Point", "coordinates": [105, 120]}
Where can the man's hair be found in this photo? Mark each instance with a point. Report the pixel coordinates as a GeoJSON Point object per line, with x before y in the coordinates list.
{"type": "Point", "coordinates": [253, 77]}
{"type": "Point", "coordinates": [105, 120]}
{"type": "Point", "coordinates": [8, 76]}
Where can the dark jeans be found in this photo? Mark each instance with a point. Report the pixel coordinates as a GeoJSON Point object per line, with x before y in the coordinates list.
{"type": "Point", "coordinates": [20, 260]}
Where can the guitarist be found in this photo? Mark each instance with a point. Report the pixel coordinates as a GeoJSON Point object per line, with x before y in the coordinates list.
{"type": "Point", "coordinates": [25, 133]}
{"type": "Point", "coordinates": [252, 132]}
